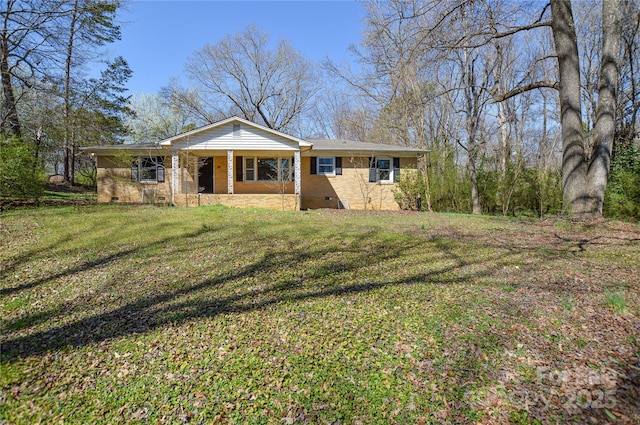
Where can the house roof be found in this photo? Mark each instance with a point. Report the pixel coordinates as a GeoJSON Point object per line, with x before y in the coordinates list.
{"type": "Point", "coordinates": [129, 146]}
{"type": "Point", "coordinates": [313, 145]}
{"type": "Point", "coordinates": [340, 145]}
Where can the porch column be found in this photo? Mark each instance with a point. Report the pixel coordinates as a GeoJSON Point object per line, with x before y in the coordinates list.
{"type": "Point", "coordinates": [297, 167]}
{"type": "Point", "coordinates": [230, 172]}
{"type": "Point", "coordinates": [174, 175]}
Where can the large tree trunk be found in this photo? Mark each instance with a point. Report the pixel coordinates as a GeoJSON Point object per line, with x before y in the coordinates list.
{"type": "Point", "coordinates": [574, 166]}
{"type": "Point", "coordinates": [584, 180]}
{"type": "Point", "coordinates": [605, 127]}
{"type": "Point", "coordinates": [10, 122]}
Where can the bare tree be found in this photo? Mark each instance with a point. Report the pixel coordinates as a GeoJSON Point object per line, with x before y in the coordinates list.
{"type": "Point", "coordinates": [243, 74]}
{"type": "Point", "coordinates": [584, 169]}
{"type": "Point", "coordinates": [89, 24]}
{"type": "Point", "coordinates": [191, 102]}
{"type": "Point", "coordinates": [629, 91]}
{"type": "Point", "coordinates": [28, 49]}
{"type": "Point", "coordinates": [43, 46]}
{"type": "Point", "coordinates": [339, 114]}
{"type": "Point", "coordinates": [584, 174]}
{"type": "Point", "coordinates": [475, 98]}
{"type": "Point", "coordinates": [367, 189]}
{"type": "Point", "coordinates": [155, 119]}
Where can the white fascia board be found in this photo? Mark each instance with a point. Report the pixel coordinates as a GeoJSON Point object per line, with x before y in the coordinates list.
{"type": "Point", "coordinates": [362, 153]}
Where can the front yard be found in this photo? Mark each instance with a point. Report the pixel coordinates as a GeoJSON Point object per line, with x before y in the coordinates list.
{"type": "Point", "coordinates": [117, 314]}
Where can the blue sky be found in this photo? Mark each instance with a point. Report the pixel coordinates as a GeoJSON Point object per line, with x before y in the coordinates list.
{"type": "Point", "coordinates": [158, 36]}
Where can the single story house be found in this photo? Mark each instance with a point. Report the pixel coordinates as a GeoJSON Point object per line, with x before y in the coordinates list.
{"type": "Point", "coordinates": [238, 163]}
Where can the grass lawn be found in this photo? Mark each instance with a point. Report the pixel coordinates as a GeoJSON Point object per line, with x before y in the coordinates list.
{"type": "Point", "coordinates": [77, 196]}
{"type": "Point", "coordinates": [117, 314]}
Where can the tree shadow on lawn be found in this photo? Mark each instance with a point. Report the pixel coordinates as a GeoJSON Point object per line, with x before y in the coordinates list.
{"type": "Point", "coordinates": [321, 274]}
{"type": "Point", "coordinates": [10, 265]}
{"type": "Point", "coordinates": [88, 265]}
{"type": "Point", "coordinates": [149, 313]}
{"type": "Point", "coordinates": [316, 279]}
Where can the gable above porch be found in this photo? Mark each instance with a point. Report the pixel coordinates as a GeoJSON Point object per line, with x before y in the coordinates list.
{"type": "Point", "coordinates": [235, 134]}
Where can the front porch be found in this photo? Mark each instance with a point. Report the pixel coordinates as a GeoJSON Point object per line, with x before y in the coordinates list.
{"type": "Point", "coordinates": [263, 179]}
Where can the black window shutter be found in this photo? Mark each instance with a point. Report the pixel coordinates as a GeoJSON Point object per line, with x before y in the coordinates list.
{"type": "Point", "coordinates": [396, 169]}
{"type": "Point", "coordinates": [292, 168]}
{"type": "Point", "coordinates": [238, 168]}
{"type": "Point", "coordinates": [160, 169]}
{"type": "Point", "coordinates": [134, 171]}
{"type": "Point", "coordinates": [372, 170]}
{"type": "Point", "coordinates": [338, 165]}
{"type": "Point", "coordinates": [314, 165]}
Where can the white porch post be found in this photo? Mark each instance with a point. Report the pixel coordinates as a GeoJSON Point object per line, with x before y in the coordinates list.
{"type": "Point", "coordinates": [174, 175]}
{"type": "Point", "coordinates": [297, 174]}
{"type": "Point", "coordinates": [230, 172]}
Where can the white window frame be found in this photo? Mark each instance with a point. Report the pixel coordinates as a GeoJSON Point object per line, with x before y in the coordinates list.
{"type": "Point", "coordinates": [390, 169]}
{"type": "Point", "coordinates": [319, 166]}
{"type": "Point", "coordinates": [255, 159]}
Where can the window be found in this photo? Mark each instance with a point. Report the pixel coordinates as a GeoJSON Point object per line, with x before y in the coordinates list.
{"type": "Point", "coordinates": [326, 165]}
{"type": "Point", "coordinates": [383, 166]}
{"type": "Point", "coordinates": [286, 170]}
{"type": "Point", "coordinates": [384, 170]}
{"type": "Point", "coordinates": [148, 169]}
{"type": "Point", "coordinates": [267, 169]}
{"type": "Point", "coordinates": [250, 169]}
{"type": "Point", "coordinates": [236, 131]}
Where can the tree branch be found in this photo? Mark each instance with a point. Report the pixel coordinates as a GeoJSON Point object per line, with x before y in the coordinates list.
{"type": "Point", "coordinates": [462, 43]}
{"type": "Point", "coordinates": [525, 88]}
{"type": "Point", "coordinates": [522, 28]}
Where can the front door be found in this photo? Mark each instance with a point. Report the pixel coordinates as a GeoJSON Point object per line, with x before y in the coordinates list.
{"type": "Point", "coordinates": [205, 175]}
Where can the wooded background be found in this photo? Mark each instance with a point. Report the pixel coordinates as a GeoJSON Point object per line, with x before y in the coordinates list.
{"type": "Point", "coordinates": [526, 108]}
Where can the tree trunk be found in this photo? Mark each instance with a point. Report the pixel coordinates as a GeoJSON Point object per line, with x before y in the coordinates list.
{"type": "Point", "coordinates": [574, 165]}
{"type": "Point", "coordinates": [472, 153]}
{"type": "Point", "coordinates": [68, 143]}
{"type": "Point", "coordinates": [505, 147]}
{"type": "Point", "coordinates": [584, 180]}
{"type": "Point", "coordinates": [542, 158]}
{"type": "Point", "coordinates": [630, 57]}
{"type": "Point", "coordinates": [605, 127]}
{"type": "Point", "coordinates": [72, 162]}
{"type": "Point", "coordinates": [10, 122]}
{"type": "Point", "coordinates": [473, 119]}
{"type": "Point", "coordinates": [475, 194]}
